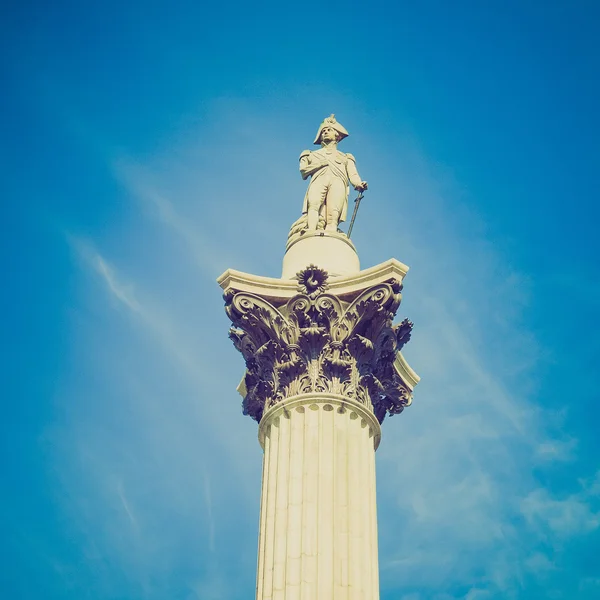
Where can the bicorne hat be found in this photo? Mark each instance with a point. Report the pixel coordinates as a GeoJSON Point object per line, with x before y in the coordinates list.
{"type": "Point", "coordinates": [331, 122]}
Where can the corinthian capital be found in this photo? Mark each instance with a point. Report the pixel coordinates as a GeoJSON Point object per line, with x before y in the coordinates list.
{"type": "Point", "coordinates": [321, 341]}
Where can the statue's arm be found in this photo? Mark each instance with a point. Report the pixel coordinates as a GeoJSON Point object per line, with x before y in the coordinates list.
{"type": "Point", "coordinates": [353, 175]}
{"type": "Point", "coordinates": [308, 165]}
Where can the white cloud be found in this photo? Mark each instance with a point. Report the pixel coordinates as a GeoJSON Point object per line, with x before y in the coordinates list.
{"type": "Point", "coordinates": [589, 584]}
{"type": "Point", "coordinates": [572, 515]}
{"type": "Point", "coordinates": [478, 594]}
{"type": "Point", "coordinates": [557, 450]}
{"type": "Point", "coordinates": [539, 564]}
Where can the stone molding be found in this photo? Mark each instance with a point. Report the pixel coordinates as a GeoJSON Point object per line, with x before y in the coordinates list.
{"type": "Point", "coordinates": [341, 236]}
{"type": "Point", "coordinates": [317, 343]}
{"type": "Point", "coordinates": [345, 287]}
{"type": "Point", "coordinates": [340, 404]}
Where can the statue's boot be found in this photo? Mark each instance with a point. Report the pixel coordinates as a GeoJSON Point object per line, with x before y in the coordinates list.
{"type": "Point", "coordinates": [313, 219]}
{"type": "Point", "coordinates": [333, 218]}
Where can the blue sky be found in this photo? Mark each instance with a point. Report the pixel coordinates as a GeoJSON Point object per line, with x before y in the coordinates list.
{"type": "Point", "coordinates": [148, 146]}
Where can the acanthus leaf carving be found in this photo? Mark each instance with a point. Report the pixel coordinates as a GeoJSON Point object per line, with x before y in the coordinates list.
{"type": "Point", "coordinates": [403, 332]}
{"type": "Point", "coordinates": [317, 343]}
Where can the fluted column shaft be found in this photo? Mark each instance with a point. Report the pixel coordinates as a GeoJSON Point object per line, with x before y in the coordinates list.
{"type": "Point", "coordinates": [318, 521]}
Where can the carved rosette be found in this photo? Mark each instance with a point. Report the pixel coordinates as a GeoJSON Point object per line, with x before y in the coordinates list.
{"type": "Point", "coordinates": [318, 343]}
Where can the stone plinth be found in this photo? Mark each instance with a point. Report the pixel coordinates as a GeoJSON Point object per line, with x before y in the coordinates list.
{"type": "Point", "coordinates": [331, 251]}
{"type": "Point", "coordinates": [323, 369]}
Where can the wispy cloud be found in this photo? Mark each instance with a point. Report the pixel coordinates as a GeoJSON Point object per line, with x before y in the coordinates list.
{"type": "Point", "coordinates": [143, 444]}
{"type": "Point", "coordinates": [124, 292]}
{"type": "Point", "coordinates": [564, 517]}
{"type": "Point", "coordinates": [126, 506]}
{"type": "Point", "coordinates": [590, 584]}
{"type": "Point", "coordinates": [557, 450]}
{"type": "Point", "coordinates": [539, 564]}
{"type": "Point", "coordinates": [207, 253]}
{"type": "Point", "coordinates": [457, 470]}
{"type": "Point", "coordinates": [209, 512]}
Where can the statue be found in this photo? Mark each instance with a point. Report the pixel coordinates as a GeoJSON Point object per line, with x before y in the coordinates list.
{"type": "Point", "coordinates": [331, 172]}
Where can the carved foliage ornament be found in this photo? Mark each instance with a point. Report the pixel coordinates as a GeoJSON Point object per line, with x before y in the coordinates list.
{"type": "Point", "coordinates": [317, 343]}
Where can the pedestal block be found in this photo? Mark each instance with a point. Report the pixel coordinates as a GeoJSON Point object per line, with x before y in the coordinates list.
{"type": "Point", "coordinates": [331, 251]}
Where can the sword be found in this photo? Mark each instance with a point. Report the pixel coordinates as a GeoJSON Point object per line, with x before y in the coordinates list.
{"type": "Point", "coordinates": [356, 205]}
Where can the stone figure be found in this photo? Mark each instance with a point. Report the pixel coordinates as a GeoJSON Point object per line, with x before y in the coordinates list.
{"type": "Point", "coordinates": [330, 172]}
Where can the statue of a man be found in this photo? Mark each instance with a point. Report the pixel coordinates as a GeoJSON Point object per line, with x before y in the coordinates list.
{"type": "Point", "coordinates": [330, 171]}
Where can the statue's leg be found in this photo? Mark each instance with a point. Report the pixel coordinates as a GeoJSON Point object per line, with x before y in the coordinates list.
{"type": "Point", "coordinates": [322, 216]}
{"type": "Point", "coordinates": [316, 197]}
{"type": "Point", "coordinates": [335, 203]}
